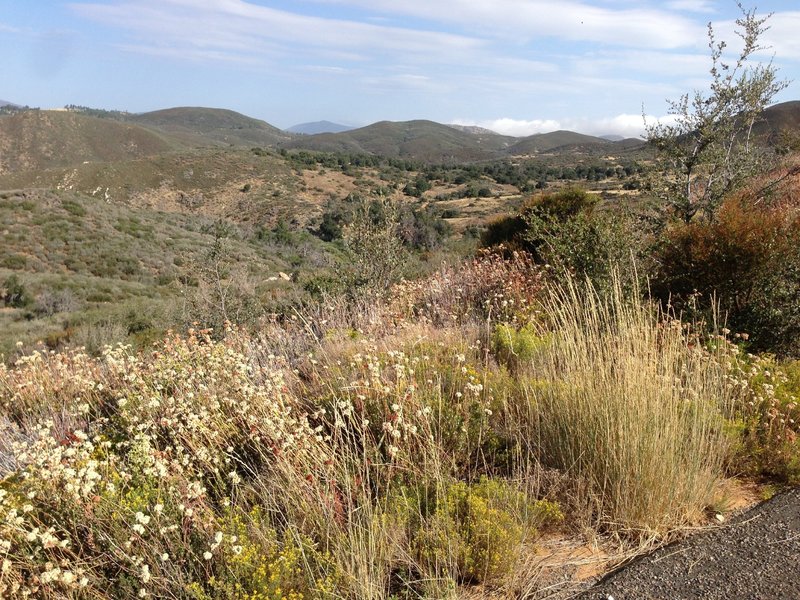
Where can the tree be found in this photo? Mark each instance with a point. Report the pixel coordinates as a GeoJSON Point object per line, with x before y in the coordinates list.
{"type": "Point", "coordinates": [374, 247]}
{"type": "Point", "coordinates": [707, 151]}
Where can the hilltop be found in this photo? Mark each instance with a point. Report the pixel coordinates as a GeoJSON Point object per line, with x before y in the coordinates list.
{"type": "Point", "coordinates": [197, 125]}
{"type": "Point", "coordinates": [422, 140]}
{"type": "Point", "coordinates": [549, 142]}
{"type": "Point", "coordinates": [39, 139]}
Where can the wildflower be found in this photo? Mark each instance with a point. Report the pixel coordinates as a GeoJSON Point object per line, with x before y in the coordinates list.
{"type": "Point", "coordinates": [207, 555]}
{"type": "Point", "coordinates": [165, 557]}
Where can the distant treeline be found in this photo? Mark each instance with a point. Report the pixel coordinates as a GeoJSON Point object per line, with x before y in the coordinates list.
{"type": "Point", "coordinates": [11, 109]}
{"type": "Point", "coordinates": [525, 174]}
{"type": "Point", "coordinates": [119, 115]}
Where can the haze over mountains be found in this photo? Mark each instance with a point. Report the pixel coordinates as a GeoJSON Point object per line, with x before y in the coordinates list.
{"type": "Point", "coordinates": [319, 127]}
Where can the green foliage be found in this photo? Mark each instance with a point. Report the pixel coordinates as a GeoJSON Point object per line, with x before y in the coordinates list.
{"type": "Point", "coordinates": [255, 564]}
{"type": "Point", "coordinates": [708, 151]}
{"type": "Point", "coordinates": [471, 532]}
{"type": "Point", "coordinates": [374, 247]}
{"type": "Point", "coordinates": [14, 293]}
{"type": "Point", "coordinates": [516, 347]}
{"type": "Point", "coordinates": [767, 419]}
{"type": "Point", "coordinates": [567, 230]}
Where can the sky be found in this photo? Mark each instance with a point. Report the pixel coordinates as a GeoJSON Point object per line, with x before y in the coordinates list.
{"type": "Point", "coordinates": [515, 66]}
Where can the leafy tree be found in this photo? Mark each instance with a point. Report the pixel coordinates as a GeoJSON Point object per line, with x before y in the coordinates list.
{"type": "Point", "coordinates": [707, 151]}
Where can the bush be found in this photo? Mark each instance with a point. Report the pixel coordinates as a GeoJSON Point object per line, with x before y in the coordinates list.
{"type": "Point", "coordinates": [471, 532]}
{"type": "Point", "coordinates": [515, 347]}
{"type": "Point", "coordinates": [14, 293]}
{"type": "Point", "coordinates": [567, 231]}
{"type": "Point", "coordinates": [767, 418]}
{"type": "Point", "coordinates": [747, 261]}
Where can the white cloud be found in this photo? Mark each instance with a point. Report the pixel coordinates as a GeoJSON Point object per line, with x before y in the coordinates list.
{"type": "Point", "coordinates": [626, 125]}
{"type": "Point", "coordinates": [648, 62]}
{"type": "Point", "coordinates": [698, 6]}
{"type": "Point", "coordinates": [236, 26]}
{"type": "Point", "coordinates": [782, 38]}
{"type": "Point", "coordinates": [538, 19]}
{"type": "Point", "coordinates": [515, 127]}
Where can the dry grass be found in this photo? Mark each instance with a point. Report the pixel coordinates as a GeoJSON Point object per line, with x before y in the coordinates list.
{"type": "Point", "coordinates": [374, 450]}
{"type": "Point", "coordinates": [626, 399]}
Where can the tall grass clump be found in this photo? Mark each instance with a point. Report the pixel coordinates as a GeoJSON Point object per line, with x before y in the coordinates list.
{"type": "Point", "coordinates": [629, 402]}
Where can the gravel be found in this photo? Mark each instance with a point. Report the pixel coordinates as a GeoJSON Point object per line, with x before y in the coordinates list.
{"type": "Point", "coordinates": [755, 556]}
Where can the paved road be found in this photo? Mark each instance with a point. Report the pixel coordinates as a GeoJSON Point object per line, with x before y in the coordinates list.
{"type": "Point", "coordinates": [754, 557]}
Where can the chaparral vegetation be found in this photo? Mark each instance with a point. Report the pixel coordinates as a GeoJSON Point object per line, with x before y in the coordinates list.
{"type": "Point", "coordinates": [412, 406]}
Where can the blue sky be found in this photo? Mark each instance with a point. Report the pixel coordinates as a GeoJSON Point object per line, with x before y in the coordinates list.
{"type": "Point", "coordinates": [516, 66]}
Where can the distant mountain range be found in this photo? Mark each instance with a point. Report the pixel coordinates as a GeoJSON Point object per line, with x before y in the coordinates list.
{"type": "Point", "coordinates": [7, 103]}
{"type": "Point", "coordinates": [318, 127]}
{"type": "Point", "coordinates": [45, 139]}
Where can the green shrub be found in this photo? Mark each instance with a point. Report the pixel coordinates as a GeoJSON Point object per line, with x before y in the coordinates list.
{"type": "Point", "coordinates": [256, 564]}
{"type": "Point", "coordinates": [13, 261]}
{"type": "Point", "coordinates": [568, 231]}
{"type": "Point", "coordinates": [14, 293]}
{"type": "Point", "coordinates": [471, 532]}
{"type": "Point", "coordinates": [515, 347]}
{"type": "Point", "coordinates": [767, 420]}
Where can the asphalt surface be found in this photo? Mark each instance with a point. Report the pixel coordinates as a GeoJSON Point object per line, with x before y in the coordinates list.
{"type": "Point", "coordinates": [755, 556]}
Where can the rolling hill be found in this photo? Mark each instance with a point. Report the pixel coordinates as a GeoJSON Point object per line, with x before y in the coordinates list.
{"type": "Point", "coordinates": [41, 139]}
{"type": "Point", "coordinates": [212, 126]}
{"type": "Point", "coordinates": [421, 140]}
{"type": "Point", "coordinates": [547, 142]}
{"type": "Point", "coordinates": [777, 119]}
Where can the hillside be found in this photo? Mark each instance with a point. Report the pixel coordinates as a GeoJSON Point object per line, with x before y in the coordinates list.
{"type": "Point", "coordinates": [96, 272]}
{"type": "Point", "coordinates": [426, 141]}
{"type": "Point", "coordinates": [777, 119]}
{"type": "Point", "coordinates": [39, 139]}
{"type": "Point", "coordinates": [212, 126]}
{"type": "Point", "coordinates": [548, 142]}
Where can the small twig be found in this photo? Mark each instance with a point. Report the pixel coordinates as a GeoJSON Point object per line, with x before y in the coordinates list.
{"type": "Point", "coordinates": [789, 539]}
{"type": "Point", "coordinates": [660, 558]}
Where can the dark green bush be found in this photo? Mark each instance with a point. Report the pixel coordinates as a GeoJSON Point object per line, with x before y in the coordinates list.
{"type": "Point", "coordinates": [14, 294]}
{"type": "Point", "coordinates": [568, 231]}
